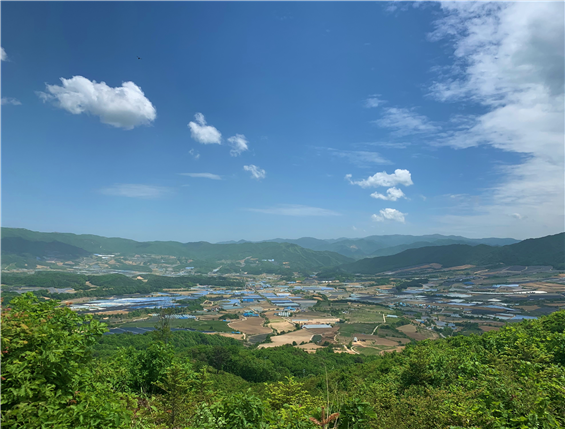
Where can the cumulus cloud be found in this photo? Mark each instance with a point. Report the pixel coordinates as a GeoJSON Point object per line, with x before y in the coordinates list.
{"type": "Point", "coordinates": [203, 133]}
{"type": "Point", "coordinates": [136, 191]}
{"type": "Point", "coordinates": [9, 100]}
{"type": "Point", "coordinates": [399, 177]}
{"type": "Point", "coordinates": [403, 121]}
{"type": "Point", "coordinates": [203, 175]}
{"type": "Point", "coordinates": [296, 210]}
{"type": "Point", "coordinates": [392, 194]}
{"type": "Point", "coordinates": [238, 144]}
{"type": "Point", "coordinates": [122, 107]}
{"type": "Point", "coordinates": [508, 57]}
{"type": "Point", "coordinates": [3, 55]}
{"type": "Point", "coordinates": [256, 172]}
{"type": "Point", "coordinates": [389, 214]}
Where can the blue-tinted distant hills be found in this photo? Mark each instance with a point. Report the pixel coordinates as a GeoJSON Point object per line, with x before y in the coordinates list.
{"type": "Point", "coordinates": [548, 250]}
{"type": "Point", "coordinates": [383, 245]}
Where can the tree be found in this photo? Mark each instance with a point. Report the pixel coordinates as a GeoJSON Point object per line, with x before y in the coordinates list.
{"type": "Point", "coordinates": [163, 325]}
{"type": "Point", "coordinates": [46, 376]}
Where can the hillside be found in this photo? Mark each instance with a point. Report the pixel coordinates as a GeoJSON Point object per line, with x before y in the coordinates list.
{"type": "Point", "coordinates": [39, 244]}
{"type": "Point", "coordinates": [383, 245]}
{"type": "Point", "coordinates": [537, 251]}
{"type": "Point", "coordinates": [512, 378]}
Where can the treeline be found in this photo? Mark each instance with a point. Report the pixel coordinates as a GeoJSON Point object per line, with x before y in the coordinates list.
{"type": "Point", "coordinates": [110, 284]}
{"type": "Point", "coordinates": [512, 378]}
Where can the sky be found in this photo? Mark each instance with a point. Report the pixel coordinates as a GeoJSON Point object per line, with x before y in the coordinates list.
{"type": "Point", "coordinates": [213, 121]}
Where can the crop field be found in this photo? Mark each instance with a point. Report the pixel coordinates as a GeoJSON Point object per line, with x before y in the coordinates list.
{"type": "Point", "coordinates": [351, 329]}
{"type": "Point", "coordinates": [250, 326]}
{"type": "Point", "coordinates": [281, 325]}
{"type": "Point", "coordinates": [417, 334]}
{"type": "Point", "coordinates": [296, 336]}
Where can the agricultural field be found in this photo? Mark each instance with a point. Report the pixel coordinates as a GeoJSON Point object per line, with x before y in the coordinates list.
{"type": "Point", "coordinates": [302, 335]}
{"type": "Point", "coordinates": [417, 333]}
{"type": "Point", "coordinates": [250, 326]}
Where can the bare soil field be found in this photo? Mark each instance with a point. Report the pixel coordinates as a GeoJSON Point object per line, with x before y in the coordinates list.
{"type": "Point", "coordinates": [309, 347]}
{"type": "Point", "coordinates": [113, 312]}
{"type": "Point", "coordinates": [548, 287]}
{"type": "Point", "coordinates": [250, 326]}
{"type": "Point", "coordinates": [374, 340]}
{"type": "Point", "coordinates": [396, 349]}
{"type": "Point", "coordinates": [225, 334]}
{"type": "Point", "coordinates": [298, 336]}
{"type": "Point", "coordinates": [281, 325]}
{"type": "Point", "coordinates": [413, 333]}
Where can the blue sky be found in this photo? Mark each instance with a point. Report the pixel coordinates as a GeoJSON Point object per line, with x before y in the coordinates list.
{"type": "Point", "coordinates": [260, 120]}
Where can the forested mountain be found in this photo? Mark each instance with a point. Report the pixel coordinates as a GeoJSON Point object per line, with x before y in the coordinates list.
{"type": "Point", "coordinates": [548, 250]}
{"type": "Point", "coordinates": [382, 245]}
{"type": "Point", "coordinates": [23, 242]}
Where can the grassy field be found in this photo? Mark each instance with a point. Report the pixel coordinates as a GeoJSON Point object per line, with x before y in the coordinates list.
{"type": "Point", "coordinates": [349, 329]}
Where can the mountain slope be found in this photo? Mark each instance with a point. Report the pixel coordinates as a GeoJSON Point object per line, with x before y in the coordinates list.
{"type": "Point", "coordinates": [538, 251]}
{"type": "Point", "coordinates": [383, 245]}
{"type": "Point", "coordinates": [38, 244]}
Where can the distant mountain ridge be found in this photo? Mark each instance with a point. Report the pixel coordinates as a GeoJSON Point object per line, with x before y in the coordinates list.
{"type": "Point", "coordinates": [548, 250]}
{"type": "Point", "coordinates": [22, 242]}
{"type": "Point", "coordinates": [383, 245]}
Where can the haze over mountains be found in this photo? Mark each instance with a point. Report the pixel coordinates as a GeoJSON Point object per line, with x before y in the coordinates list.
{"type": "Point", "coordinates": [383, 245]}
{"type": "Point", "coordinates": [389, 252]}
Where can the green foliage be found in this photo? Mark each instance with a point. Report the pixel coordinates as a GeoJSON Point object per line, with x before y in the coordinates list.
{"type": "Point", "coordinates": [238, 411]}
{"type": "Point", "coordinates": [548, 250]}
{"type": "Point", "coordinates": [46, 379]}
{"type": "Point", "coordinates": [513, 378]}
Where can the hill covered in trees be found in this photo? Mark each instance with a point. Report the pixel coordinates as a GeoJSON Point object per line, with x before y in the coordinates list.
{"type": "Point", "coordinates": [31, 244]}
{"type": "Point", "coordinates": [382, 245]}
{"type": "Point", "coordinates": [548, 250]}
{"type": "Point", "coordinates": [58, 369]}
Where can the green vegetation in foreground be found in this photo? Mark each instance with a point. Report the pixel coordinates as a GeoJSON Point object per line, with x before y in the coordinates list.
{"type": "Point", "coordinates": [548, 250]}
{"type": "Point", "coordinates": [513, 378]}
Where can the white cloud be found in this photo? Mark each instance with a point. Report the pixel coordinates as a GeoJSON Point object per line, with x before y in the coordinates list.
{"type": "Point", "coordinates": [374, 101]}
{"type": "Point", "coordinates": [136, 191]}
{"type": "Point", "coordinates": [3, 55]}
{"type": "Point", "coordinates": [122, 107]}
{"type": "Point", "coordinates": [194, 153]}
{"type": "Point", "coordinates": [405, 121]}
{"type": "Point", "coordinates": [399, 177]}
{"type": "Point", "coordinates": [203, 133]}
{"type": "Point", "coordinates": [238, 144]}
{"type": "Point", "coordinates": [508, 58]}
{"type": "Point", "coordinates": [9, 100]}
{"type": "Point", "coordinates": [256, 172]}
{"type": "Point", "coordinates": [392, 194]}
{"type": "Point", "coordinates": [296, 210]}
{"type": "Point", "coordinates": [389, 214]}
{"type": "Point", "coordinates": [203, 175]}
{"type": "Point", "coordinates": [360, 158]}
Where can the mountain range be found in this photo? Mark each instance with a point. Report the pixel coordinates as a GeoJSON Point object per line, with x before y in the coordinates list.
{"type": "Point", "coordinates": [382, 245]}
{"type": "Point", "coordinates": [389, 251]}
{"type": "Point", "coordinates": [548, 250]}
